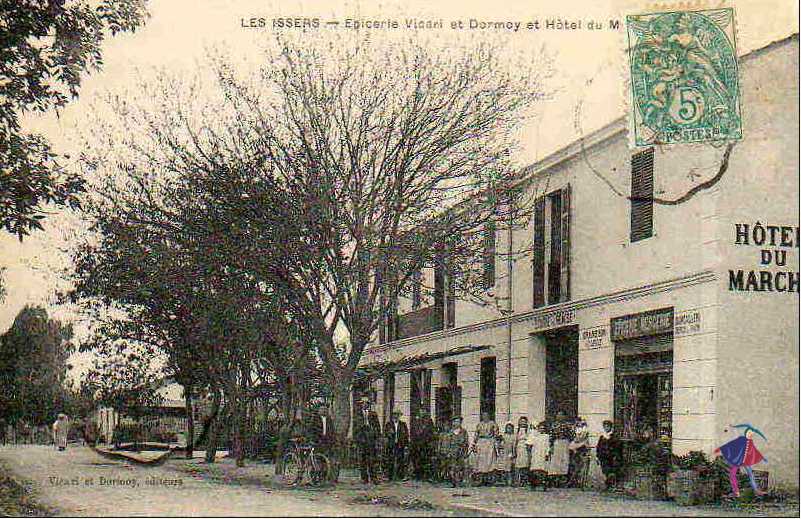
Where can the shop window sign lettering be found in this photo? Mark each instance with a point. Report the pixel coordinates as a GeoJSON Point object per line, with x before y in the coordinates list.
{"type": "Point", "coordinates": [639, 325]}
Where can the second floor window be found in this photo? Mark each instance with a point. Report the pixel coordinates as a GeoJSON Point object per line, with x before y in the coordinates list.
{"type": "Point", "coordinates": [551, 249]}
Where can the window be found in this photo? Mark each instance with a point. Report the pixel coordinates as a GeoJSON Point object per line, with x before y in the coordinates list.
{"type": "Point", "coordinates": [489, 255]}
{"type": "Point", "coordinates": [642, 195]}
{"type": "Point", "coordinates": [487, 382]}
{"type": "Point", "coordinates": [551, 266]}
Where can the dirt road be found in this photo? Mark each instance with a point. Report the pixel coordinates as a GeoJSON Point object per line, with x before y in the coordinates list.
{"type": "Point", "coordinates": [79, 482]}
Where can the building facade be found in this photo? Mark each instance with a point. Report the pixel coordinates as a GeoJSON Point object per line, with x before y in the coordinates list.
{"type": "Point", "coordinates": [643, 300]}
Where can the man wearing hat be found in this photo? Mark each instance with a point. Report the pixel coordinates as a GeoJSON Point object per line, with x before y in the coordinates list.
{"type": "Point", "coordinates": [366, 432]}
{"type": "Point", "coordinates": [396, 441]}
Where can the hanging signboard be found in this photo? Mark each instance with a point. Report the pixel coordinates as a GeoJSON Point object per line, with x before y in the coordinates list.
{"type": "Point", "coordinates": [653, 322]}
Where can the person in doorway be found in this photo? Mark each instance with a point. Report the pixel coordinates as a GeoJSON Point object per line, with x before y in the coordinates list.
{"type": "Point", "coordinates": [610, 454]}
{"type": "Point", "coordinates": [507, 451]}
{"type": "Point", "coordinates": [522, 452]}
{"type": "Point", "coordinates": [396, 441]}
{"type": "Point", "coordinates": [455, 446]}
{"type": "Point", "coordinates": [61, 429]}
{"type": "Point", "coordinates": [539, 445]}
{"type": "Point", "coordinates": [579, 455]}
{"type": "Point", "coordinates": [366, 432]}
{"type": "Point", "coordinates": [562, 433]}
{"type": "Point", "coordinates": [423, 445]}
{"type": "Point", "coordinates": [486, 448]}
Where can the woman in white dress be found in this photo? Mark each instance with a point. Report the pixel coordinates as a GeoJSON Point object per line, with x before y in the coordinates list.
{"type": "Point", "coordinates": [539, 446]}
{"type": "Point", "coordinates": [61, 429]}
{"type": "Point", "coordinates": [522, 454]}
{"type": "Point", "coordinates": [486, 448]}
{"type": "Point", "coordinates": [562, 433]}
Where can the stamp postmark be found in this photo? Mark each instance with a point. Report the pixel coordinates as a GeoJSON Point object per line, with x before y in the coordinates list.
{"type": "Point", "coordinates": [684, 83]}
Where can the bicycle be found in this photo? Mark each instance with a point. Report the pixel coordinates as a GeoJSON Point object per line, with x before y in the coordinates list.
{"type": "Point", "coordinates": [302, 460]}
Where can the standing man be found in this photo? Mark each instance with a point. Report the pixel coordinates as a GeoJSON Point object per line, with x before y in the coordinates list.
{"type": "Point", "coordinates": [423, 447]}
{"type": "Point", "coordinates": [396, 436]}
{"type": "Point", "coordinates": [366, 431]}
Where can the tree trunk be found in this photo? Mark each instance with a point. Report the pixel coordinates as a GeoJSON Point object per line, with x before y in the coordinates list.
{"type": "Point", "coordinates": [190, 422]}
{"type": "Point", "coordinates": [341, 422]}
{"type": "Point", "coordinates": [213, 430]}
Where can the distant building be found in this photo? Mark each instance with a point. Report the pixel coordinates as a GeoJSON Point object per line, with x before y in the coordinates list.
{"type": "Point", "coordinates": [660, 316]}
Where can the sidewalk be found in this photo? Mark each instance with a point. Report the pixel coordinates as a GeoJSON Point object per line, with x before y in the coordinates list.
{"type": "Point", "coordinates": [488, 501]}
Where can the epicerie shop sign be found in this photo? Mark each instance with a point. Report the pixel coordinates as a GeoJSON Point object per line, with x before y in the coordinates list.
{"type": "Point", "coordinates": [773, 240]}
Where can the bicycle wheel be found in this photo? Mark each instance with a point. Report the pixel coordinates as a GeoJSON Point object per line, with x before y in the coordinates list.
{"type": "Point", "coordinates": [321, 471]}
{"type": "Point", "coordinates": [293, 468]}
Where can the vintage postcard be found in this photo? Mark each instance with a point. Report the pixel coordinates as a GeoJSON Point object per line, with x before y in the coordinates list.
{"type": "Point", "coordinates": [349, 258]}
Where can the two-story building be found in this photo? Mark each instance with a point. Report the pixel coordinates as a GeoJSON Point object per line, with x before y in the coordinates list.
{"type": "Point", "coordinates": [647, 297]}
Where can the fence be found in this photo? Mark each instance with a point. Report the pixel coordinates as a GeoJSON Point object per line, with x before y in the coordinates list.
{"type": "Point", "coordinates": [33, 435]}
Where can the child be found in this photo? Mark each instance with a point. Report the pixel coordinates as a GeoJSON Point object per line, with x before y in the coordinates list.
{"type": "Point", "coordinates": [508, 451]}
{"type": "Point", "coordinates": [522, 452]}
{"type": "Point", "coordinates": [539, 443]}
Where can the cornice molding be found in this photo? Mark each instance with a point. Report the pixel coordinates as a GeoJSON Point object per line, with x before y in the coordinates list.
{"type": "Point", "coordinates": [697, 278]}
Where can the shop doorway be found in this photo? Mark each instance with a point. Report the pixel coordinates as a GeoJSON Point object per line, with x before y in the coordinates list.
{"type": "Point", "coordinates": [561, 372]}
{"type": "Point", "coordinates": [644, 388]}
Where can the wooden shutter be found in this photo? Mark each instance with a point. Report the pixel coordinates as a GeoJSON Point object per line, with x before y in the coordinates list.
{"type": "Point", "coordinates": [489, 255]}
{"type": "Point", "coordinates": [565, 249]}
{"type": "Point", "coordinates": [451, 302]}
{"type": "Point", "coordinates": [382, 302]}
{"type": "Point", "coordinates": [439, 293]}
{"type": "Point", "coordinates": [642, 193]}
{"type": "Point", "coordinates": [538, 254]}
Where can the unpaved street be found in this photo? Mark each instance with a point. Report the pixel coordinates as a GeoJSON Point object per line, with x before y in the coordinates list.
{"type": "Point", "coordinates": [79, 482]}
{"type": "Point", "coordinates": [109, 488]}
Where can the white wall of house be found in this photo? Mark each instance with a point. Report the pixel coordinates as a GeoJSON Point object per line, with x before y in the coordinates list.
{"type": "Point", "coordinates": [735, 354]}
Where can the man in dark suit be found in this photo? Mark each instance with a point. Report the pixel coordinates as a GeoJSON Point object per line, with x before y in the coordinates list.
{"type": "Point", "coordinates": [366, 432]}
{"type": "Point", "coordinates": [423, 448]}
{"type": "Point", "coordinates": [396, 441]}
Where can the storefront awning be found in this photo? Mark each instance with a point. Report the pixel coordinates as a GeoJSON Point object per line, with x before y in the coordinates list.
{"type": "Point", "coordinates": [414, 358]}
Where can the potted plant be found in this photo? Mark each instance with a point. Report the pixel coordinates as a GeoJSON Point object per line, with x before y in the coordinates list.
{"type": "Point", "coordinates": [692, 479]}
{"type": "Point", "coordinates": [650, 464]}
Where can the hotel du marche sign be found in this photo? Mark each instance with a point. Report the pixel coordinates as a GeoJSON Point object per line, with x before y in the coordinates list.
{"type": "Point", "coordinates": [653, 322]}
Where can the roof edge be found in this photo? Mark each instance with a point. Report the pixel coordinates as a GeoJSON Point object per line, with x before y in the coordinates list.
{"type": "Point", "coordinates": [618, 125]}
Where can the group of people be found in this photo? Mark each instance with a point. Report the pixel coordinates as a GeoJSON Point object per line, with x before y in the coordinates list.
{"type": "Point", "coordinates": [556, 453]}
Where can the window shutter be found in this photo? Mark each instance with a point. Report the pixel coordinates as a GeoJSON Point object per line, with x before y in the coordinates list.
{"type": "Point", "coordinates": [417, 286]}
{"type": "Point", "coordinates": [538, 254]}
{"type": "Point", "coordinates": [451, 301]}
{"type": "Point", "coordinates": [489, 254]}
{"type": "Point", "coordinates": [382, 305]}
{"type": "Point", "coordinates": [565, 263]}
{"type": "Point", "coordinates": [642, 193]}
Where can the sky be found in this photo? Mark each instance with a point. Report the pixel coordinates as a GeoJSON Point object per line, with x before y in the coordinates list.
{"type": "Point", "coordinates": [589, 72]}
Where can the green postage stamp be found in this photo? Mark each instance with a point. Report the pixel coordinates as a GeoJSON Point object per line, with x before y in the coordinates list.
{"type": "Point", "coordinates": [684, 83]}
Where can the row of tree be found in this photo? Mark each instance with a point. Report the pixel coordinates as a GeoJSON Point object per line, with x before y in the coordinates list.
{"type": "Point", "coordinates": [256, 230]}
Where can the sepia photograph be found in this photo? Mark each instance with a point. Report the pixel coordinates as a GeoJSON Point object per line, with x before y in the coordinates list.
{"type": "Point", "coordinates": [400, 259]}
